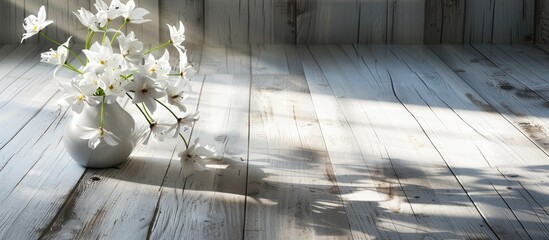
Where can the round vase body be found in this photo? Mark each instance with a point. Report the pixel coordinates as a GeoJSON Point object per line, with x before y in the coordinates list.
{"type": "Point", "coordinates": [115, 120]}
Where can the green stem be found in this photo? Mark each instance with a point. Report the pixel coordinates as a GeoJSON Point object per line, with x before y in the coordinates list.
{"type": "Point", "coordinates": [116, 33]}
{"type": "Point", "coordinates": [167, 108]}
{"type": "Point", "coordinates": [102, 110]}
{"type": "Point", "coordinates": [87, 39]}
{"type": "Point", "coordinates": [158, 47]}
{"type": "Point", "coordinates": [150, 121]}
{"type": "Point", "coordinates": [71, 67]}
{"type": "Point", "coordinates": [91, 38]}
{"type": "Point", "coordinates": [176, 118]}
{"type": "Point", "coordinates": [185, 141]}
{"type": "Point", "coordinates": [146, 112]}
{"type": "Point", "coordinates": [59, 44]}
{"type": "Point", "coordinates": [105, 33]}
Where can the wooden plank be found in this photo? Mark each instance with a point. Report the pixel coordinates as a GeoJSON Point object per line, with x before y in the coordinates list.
{"type": "Point", "coordinates": [479, 18]}
{"type": "Point", "coordinates": [472, 109]}
{"type": "Point", "coordinates": [190, 12]}
{"type": "Point", "coordinates": [58, 12]}
{"type": "Point", "coordinates": [116, 202]}
{"type": "Point", "coordinates": [406, 21]}
{"type": "Point", "coordinates": [5, 17]}
{"type": "Point", "coordinates": [75, 28]}
{"type": "Point", "coordinates": [542, 22]}
{"type": "Point", "coordinates": [522, 62]}
{"type": "Point", "coordinates": [16, 13]}
{"type": "Point", "coordinates": [230, 59]}
{"type": "Point", "coordinates": [326, 21]}
{"type": "Point", "coordinates": [39, 177]}
{"type": "Point", "coordinates": [13, 55]}
{"type": "Point", "coordinates": [290, 182]}
{"type": "Point", "coordinates": [373, 22]}
{"type": "Point", "coordinates": [490, 205]}
{"type": "Point", "coordinates": [269, 59]}
{"type": "Point", "coordinates": [389, 146]}
{"type": "Point", "coordinates": [444, 21]}
{"type": "Point", "coordinates": [151, 30]}
{"type": "Point", "coordinates": [226, 22]}
{"type": "Point", "coordinates": [36, 173]}
{"type": "Point", "coordinates": [210, 204]}
{"type": "Point", "coordinates": [513, 21]}
{"type": "Point", "coordinates": [272, 21]}
{"type": "Point", "coordinates": [500, 90]}
{"type": "Point", "coordinates": [275, 59]}
{"type": "Point", "coordinates": [443, 83]}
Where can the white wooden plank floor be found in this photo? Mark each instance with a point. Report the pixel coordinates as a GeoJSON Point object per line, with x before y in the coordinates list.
{"type": "Point", "coordinates": [323, 141]}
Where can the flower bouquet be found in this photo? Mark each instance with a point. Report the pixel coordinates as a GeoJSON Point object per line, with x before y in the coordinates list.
{"type": "Point", "coordinates": [115, 66]}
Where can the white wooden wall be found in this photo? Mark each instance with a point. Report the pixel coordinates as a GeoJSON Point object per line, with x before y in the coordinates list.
{"type": "Point", "coordinates": [312, 21]}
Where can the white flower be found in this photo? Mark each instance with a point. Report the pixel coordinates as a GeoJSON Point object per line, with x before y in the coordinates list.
{"type": "Point", "coordinates": [145, 89]}
{"type": "Point", "coordinates": [177, 36]}
{"type": "Point", "coordinates": [186, 71]}
{"type": "Point", "coordinates": [58, 57]}
{"type": "Point", "coordinates": [34, 24]}
{"type": "Point", "coordinates": [101, 57]}
{"type": "Point", "coordinates": [158, 68]}
{"type": "Point", "coordinates": [176, 95]}
{"type": "Point", "coordinates": [130, 48]}
{"type": "Point", "coordinates": [134, 15]}
{"type": "Point", "coordinates": [97, 135]}
{"type": "Point", "coordinates": [157, 130]}
{"type": "Point", "coordinates": [112, 83]}
{"type": "Point", "coordinates": [113, 11]}
{"type": "Point", "coordinates": [183, 124]}
{"type": "Point", "coordinates": [93, 22]}
{"type": "Point", "coordinates": [76, 95]}
{"type": "Point", "coordinates": [192, 159]}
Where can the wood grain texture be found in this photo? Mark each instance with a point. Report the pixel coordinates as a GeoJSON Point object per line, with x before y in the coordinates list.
{"type": "Point", "coordinates": [36, 172]}
{"type": "Point", "coordinates": [406, 21]}
{"type": "Point", "coordinates": [117, 202]}
{"type": "Point", "coordinates": [398, 188]}
{"type": "Point", "coordinates": [326, 21]}
{"type": "Point", "coordinates": [373, 22]}
{"type": "Point", "coordinates": [291, 187]}
{"type": "Point", "coordinates": [225, 59]}
{"type": "Point", "coordinates": [513, 21]}
{"type": "Point", "coordinates": [499, 89]}
{"type": "Point", "coordinates": [479, 18]}
{"type": "Point", "coordinates": [542, 22]}
{"type": "Point", "coordinates": [210, 204]}
{"type": "Point", "coordinates": [272, 21]}
{"type": "Point", "coordinates": [444, 21]}
{"type": "Point", "coordinates": [226, 21]}
{"type": "Point", "coordinates": [275, 59]}
{"type": "Point", "coordinates": [492, 127]}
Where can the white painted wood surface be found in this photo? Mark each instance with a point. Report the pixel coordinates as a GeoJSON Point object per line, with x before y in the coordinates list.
{"type": "Point", "coordinates": [309, 21]}
{"type": "Point", "coordinates": [291, 187]}
{"type": "Point", "coordinates": [396, 142]}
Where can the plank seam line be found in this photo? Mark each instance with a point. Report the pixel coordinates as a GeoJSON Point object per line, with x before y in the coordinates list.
{"type": "Point", "coordinates": [336, 184]}
{"type": "Point", "coordinates": [511, 209]}
{"type": "Point", "coordinates": [508, 120]}
{"type": "Point", "coordinates": [32, 117]}
{"type": "Point", "coordinates": [441, 156]}
{"type": "Point", "coordinates": [153, 222]}
{"type": "Point", "coordinates": [250, 77]}
{"type": "Point", "coordinates": [439, 98]}
{"type": "Point", "coordinates": [62, 208]}
{"type": "Point", "coordinates": [529, 195]}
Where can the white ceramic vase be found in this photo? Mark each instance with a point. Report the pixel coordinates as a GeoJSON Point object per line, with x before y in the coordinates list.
{"type": "Point", "coordinates": [116, 120]}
